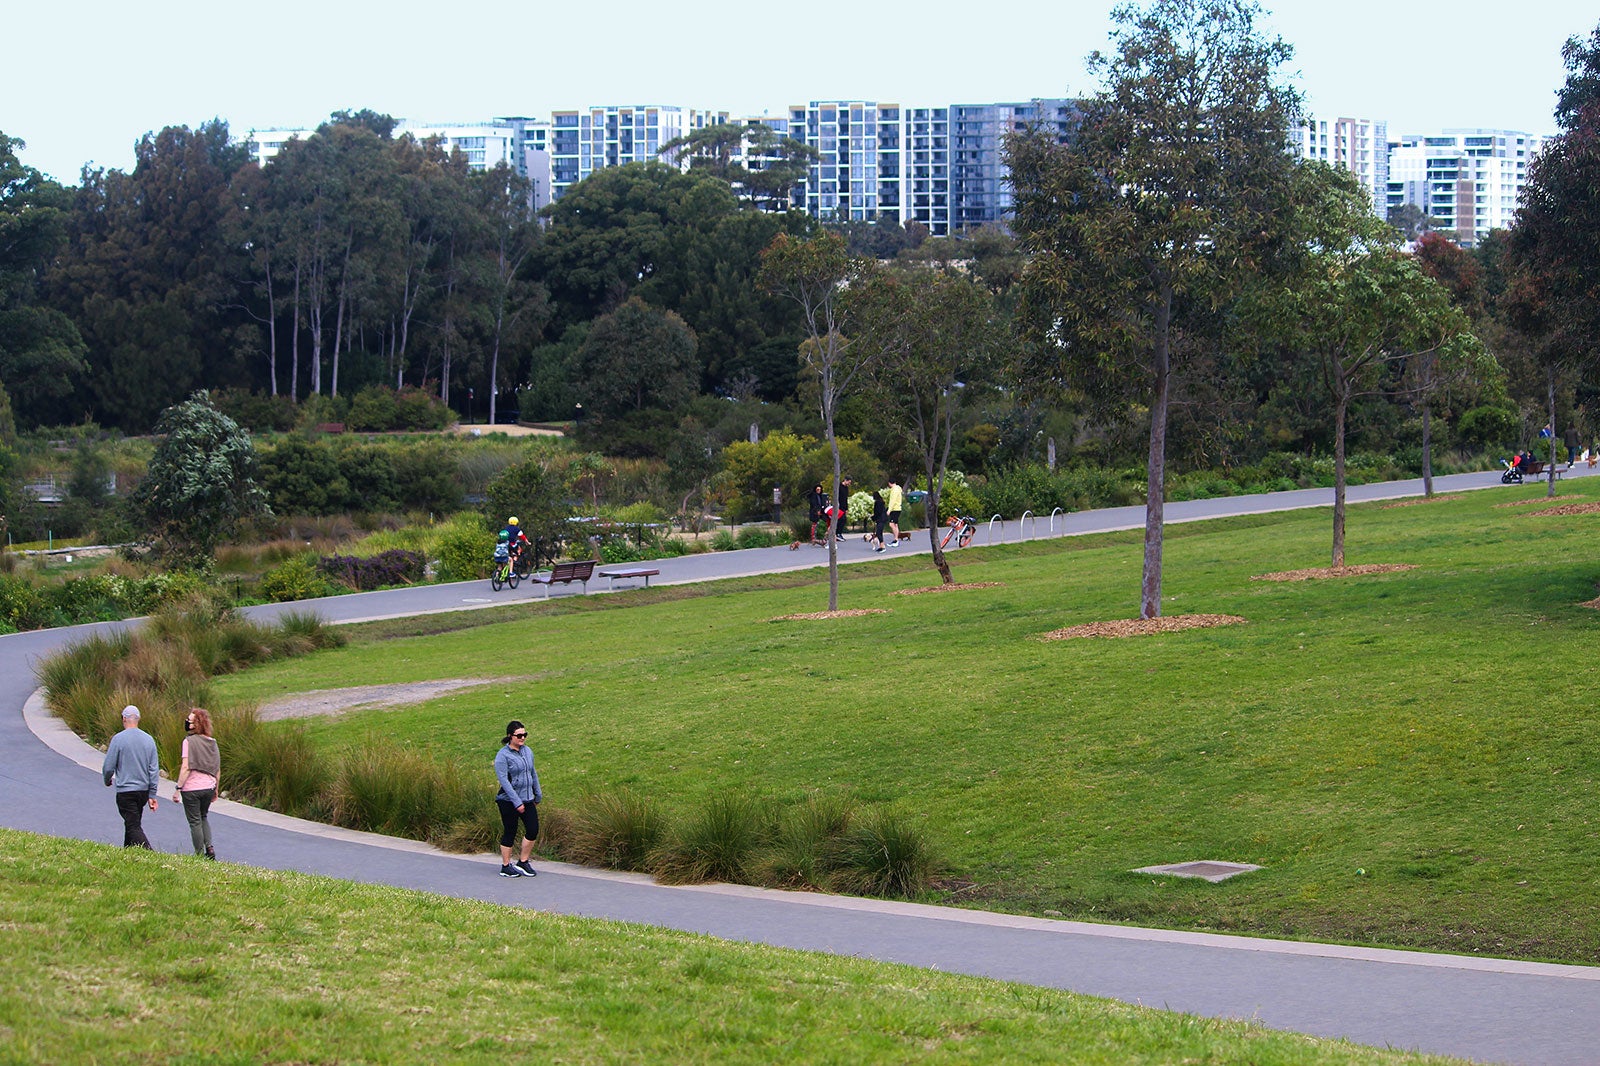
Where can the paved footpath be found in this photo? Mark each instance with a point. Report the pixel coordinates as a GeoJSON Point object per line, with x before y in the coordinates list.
{"type": "Point", "coordinates": [1491, 1010]}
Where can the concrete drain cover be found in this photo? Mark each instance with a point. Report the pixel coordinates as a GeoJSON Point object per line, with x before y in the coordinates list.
{"type": "Point", "coordinates": [1206, 870]}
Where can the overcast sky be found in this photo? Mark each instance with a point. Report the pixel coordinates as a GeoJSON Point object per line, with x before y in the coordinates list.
{"type": "Point", "coordinates": [84, 81]}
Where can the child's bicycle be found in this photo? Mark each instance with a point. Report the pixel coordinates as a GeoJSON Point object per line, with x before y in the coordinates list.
{"type": "Point", "coordinates": [962, 528]}
{"type": "Point", "coordinates": [504, 573]}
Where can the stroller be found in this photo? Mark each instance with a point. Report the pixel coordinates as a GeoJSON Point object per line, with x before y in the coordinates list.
{"type": "Point", "coordinates": [1520, 465]}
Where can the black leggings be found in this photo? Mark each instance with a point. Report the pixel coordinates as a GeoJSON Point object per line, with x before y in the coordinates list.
{"type": "Point", "coordinates": [509, 818]}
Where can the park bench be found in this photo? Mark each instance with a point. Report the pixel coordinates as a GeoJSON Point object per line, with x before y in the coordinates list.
{"type": "Point", "coordinates": [580, 570]}
{"type": "Point", "coordinates": [624, 573]}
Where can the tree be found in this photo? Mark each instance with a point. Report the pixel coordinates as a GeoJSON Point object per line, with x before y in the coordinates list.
{"type": "Point", "coordinates": [517, 307]}
{"type": "Point", "coordinates": [638, 357]}
{"type": "Point", "coordinates": [533, 493]}
{"type": "Point", "coordinates": [201, 481]}
{"type": "Point", "coordinates": [1356, 306]}
{"type": "Point", "coordinates": [814, 274]}
{"type": "Point", "coordinates": [41, 352]}
{"type": "Point", "coordinates": [1554, 249]}
{"type": "Point", "coordinates": [934, 335]}
{"type": "Point", "coordinates": [1159, 199]}
{"type": "Point", "coordinates": [779, 163]}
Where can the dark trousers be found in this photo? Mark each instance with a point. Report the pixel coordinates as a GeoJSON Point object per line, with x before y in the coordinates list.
{"type": "Point", "coordinates": [509, 818]}
{"type": "Point", "coordinates": [196, 805]}
{"type": "Point", "coordinates": [131, 806]}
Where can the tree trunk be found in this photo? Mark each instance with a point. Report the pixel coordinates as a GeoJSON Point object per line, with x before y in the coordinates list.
{"type": "Point", "coordinates": [1427, 450]}
{"type": "Point", "coordinates": [1550, 468]}
{"type": "Point", "coordinates": [294, 339]}
{"type": "Point", "coordinates": [1341, 408]}
{"type": "Point", "coordinates": [1155, 467]}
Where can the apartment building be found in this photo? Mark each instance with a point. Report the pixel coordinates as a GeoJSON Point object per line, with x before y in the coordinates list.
{"type": "Point", "coordinates": [1468, 181]}
{"type": "Point", "coordinates": [1359, 145]}
{"type": "Point", "coordinates": [584, 141]}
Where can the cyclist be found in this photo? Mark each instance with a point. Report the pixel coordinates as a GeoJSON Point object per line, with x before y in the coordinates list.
{"type": "Point", "coordinates": [502, 549]}
{"type": "Point", "coordinates": [516, 538]}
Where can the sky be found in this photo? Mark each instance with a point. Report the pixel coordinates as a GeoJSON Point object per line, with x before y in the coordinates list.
{"type": "Point", "coordinates": [84, 81]}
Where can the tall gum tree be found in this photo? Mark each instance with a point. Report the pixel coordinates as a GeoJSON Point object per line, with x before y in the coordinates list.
{"type": "Point", "coordinates": [1554, 249]}
{"type": "Point", "coordinates": [1158, 199]}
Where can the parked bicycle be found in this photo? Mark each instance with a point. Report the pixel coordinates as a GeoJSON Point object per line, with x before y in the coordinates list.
{"type": "Point", "coordinates": [961, 529]}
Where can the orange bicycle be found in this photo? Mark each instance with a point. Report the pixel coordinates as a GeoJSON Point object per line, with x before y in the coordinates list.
{"type": "Point", "coordinates": [961, 529]}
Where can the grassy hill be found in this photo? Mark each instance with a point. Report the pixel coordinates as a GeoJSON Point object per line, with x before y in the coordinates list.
{"type": "Point", "coordinates": [1410, 756]}
{"type": "Point", "coordinates": [178, 960]}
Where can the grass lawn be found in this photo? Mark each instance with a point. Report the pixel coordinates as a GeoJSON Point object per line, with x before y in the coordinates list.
{"type": "Point", "coordinates": [1411, 756]}
{"type": "Point", "coordinates": [181, 961]}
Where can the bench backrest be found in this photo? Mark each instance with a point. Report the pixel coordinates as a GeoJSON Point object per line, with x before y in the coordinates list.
{"type": "Point", "coordinates": [580, 570]}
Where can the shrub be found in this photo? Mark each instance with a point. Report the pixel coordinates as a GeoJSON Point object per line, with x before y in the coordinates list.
{"type": "Point", "coordinates": [281, 769]}
{"type": "Point", "coordinates": [717, 843]}
{"type": "Point", "coordinates": [884, 855]}
{"type": "Point", "coordinates": [387, 788]}
{"type": "Point", "coordinates": [805, 849]}
{"type": "Point", "coordinates": [296, 579]}
{"type": "Point", "coordinates": [393, 567]}
{"type": "Point", "coordinates": [372, 410]}
{"type": "Point", "coordinates": [615, 830]}
{"type": "Point", "coordinates": [465, 550]}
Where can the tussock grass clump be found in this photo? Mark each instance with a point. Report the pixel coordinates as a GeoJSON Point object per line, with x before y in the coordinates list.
{"type": "Point", "coordinates": [617, 830]}
{"type": "Point", "coordinates": [387, 788]}
{"type": "Point", "coordinates": [883, 854]}
{"type": "Point", "coordinates": [717, 843]}
{"type": "Point", "coordinates": [805, 849]}
{"type": "Point", "coordinates": [280, 769]}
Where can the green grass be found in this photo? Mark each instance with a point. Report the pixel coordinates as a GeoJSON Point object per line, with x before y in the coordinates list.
{"type": "Point", "coordinates": [178, 960]}
{"type": "Point", "coordinates": [1433, 728]}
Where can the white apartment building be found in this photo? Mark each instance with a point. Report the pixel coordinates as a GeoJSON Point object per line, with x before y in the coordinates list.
{"type": "Point", "coordinates": [1359, 145]}
{"type": "Point", "coordinates": [860, 167]}
{"type": "Point", "coordinates": [1469, 181]}
{"type": "Point", "coordinates": [582, 142]}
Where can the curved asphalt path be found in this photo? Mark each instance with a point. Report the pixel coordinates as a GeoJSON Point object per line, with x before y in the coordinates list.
{"type": "Point", "coordinates": [1486, 1009]}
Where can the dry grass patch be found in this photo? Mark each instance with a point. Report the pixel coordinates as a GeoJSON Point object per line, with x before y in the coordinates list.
{"type": "Point", "coordinates": [1537, 499]}
{"type": "Point", "coordinates": [950, 588]}
{"type": "Point", "coordinates": [1413, 501]}
{"type": "Point", "coordinates": [338, 700]}
{"type": "Point", "coordinates": [1566, 509]}
{"type": "Point", "coordinates": [1317, 573]}
{"type": "Point", "coordinates": [829, 614]}
{"type": "Point", "coordinates": [1139, 627]}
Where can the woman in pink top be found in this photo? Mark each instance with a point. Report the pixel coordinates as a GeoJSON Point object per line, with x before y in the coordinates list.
{"type": "Point", "coordinates": [198, 774]}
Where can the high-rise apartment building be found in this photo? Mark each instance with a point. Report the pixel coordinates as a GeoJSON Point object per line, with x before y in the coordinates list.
{"type": "Point", "coordinates": [1359, 145]}
{"type": "Point", "coordinates": [591, 139]}
{"type": "Point", "coordinates": [980, 187]}
{"type": "Point", "coordinates": [1469, 181]}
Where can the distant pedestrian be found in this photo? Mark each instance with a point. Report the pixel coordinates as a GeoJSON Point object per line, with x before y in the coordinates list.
{"type": "Point", "coordinates": [880, 519]}
{"type": "Point", "coordinates": [841, 507]}
{"type": "Point", "coordinates": [133, 767]}
{"type": "Point", "coordinates": [199, 777]}
{"type": "Point", "coordinates": [894, 500]}
{"type": "Point", "coordinates": [818, 501]}
{"type": "Point", "coordinates": [518, 799]}
{"type": "Point", "coordinates": [1573, 440]}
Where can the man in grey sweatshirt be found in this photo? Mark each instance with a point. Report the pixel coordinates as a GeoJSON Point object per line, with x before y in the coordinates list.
{"type": "Point", "coordinates": [134, 768]}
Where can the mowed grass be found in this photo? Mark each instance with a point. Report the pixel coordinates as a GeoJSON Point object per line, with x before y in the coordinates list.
{"type": "Point", "coordinates": [177, 960]}
{"type": "Point", "coordinates": [1411, 756]}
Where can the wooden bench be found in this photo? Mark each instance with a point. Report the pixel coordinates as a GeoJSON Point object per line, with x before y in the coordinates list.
{"type": "Point", "coordinates": [565, 573]}
{"type": "Point", "coordinates": [624, 573]}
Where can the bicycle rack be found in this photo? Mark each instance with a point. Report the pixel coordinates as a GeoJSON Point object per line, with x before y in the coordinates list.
{"type": "Point", "coordinates": [1022, 526]}
{"type": "Point", "coordinates": [988, 537]}
{"type": "Point", "coordinates": [1053, 514]}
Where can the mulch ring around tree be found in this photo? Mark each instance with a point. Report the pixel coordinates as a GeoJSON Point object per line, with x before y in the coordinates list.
{"type": "Point", "coordinates": [1537, 499]}
{"type": "Point", "coordinates": [1317, 573]}
{"type": "Point", "coordinates": [829, 614]}
{"type": "Point", "coordinates": [1140, 627]}
{"type": "Point", "coordinates": [1413, 501]}
{"type": "Point", "coordinates": [949, 588]}
{"type": "Point", "coordinates": [1566, 509]}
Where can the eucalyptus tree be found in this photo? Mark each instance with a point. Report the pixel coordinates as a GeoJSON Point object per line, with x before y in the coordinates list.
{"type": "Point", "coordinates": [1357, 307]}
{"type": "Point", "coordinates": [1158, 200]}
{"type": "Point", "coordinates": [516, 306]}
{"type": "Point", "coordinates": [932, 334]}
{"type": "Point", "coordinates": [814, 274]}
{"type": "Point", "coordinates": [1554, 249]}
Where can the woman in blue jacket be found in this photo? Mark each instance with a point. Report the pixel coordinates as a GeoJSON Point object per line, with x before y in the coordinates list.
{"type": "Point", "coordinates": [518, 799]}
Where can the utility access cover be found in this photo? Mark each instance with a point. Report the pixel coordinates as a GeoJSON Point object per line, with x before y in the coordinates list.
{"type": "Point", "coordinates": [1206, 869]}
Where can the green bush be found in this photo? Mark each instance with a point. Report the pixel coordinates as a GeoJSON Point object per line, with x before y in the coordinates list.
{"type": "Point", "coordinates": [884, 855]}
{"type": "Point", "coordinates": [386, 788]}
{"type": "Point", "coordinates": [281, 768]}
{"type": "Point", "coordinates": [296, 579]}
{"type": "Point", "coordinates": [465, 550]}
{"type": "Point", "coordinates": [805, 849]}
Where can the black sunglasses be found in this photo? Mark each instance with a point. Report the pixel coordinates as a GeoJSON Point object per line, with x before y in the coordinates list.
{"type": "Point", "coordinates": [519, 734]}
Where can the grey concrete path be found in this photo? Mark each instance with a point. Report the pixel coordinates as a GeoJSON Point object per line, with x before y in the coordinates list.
{"type": "Point", "coordinates": [1486, 1009]}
